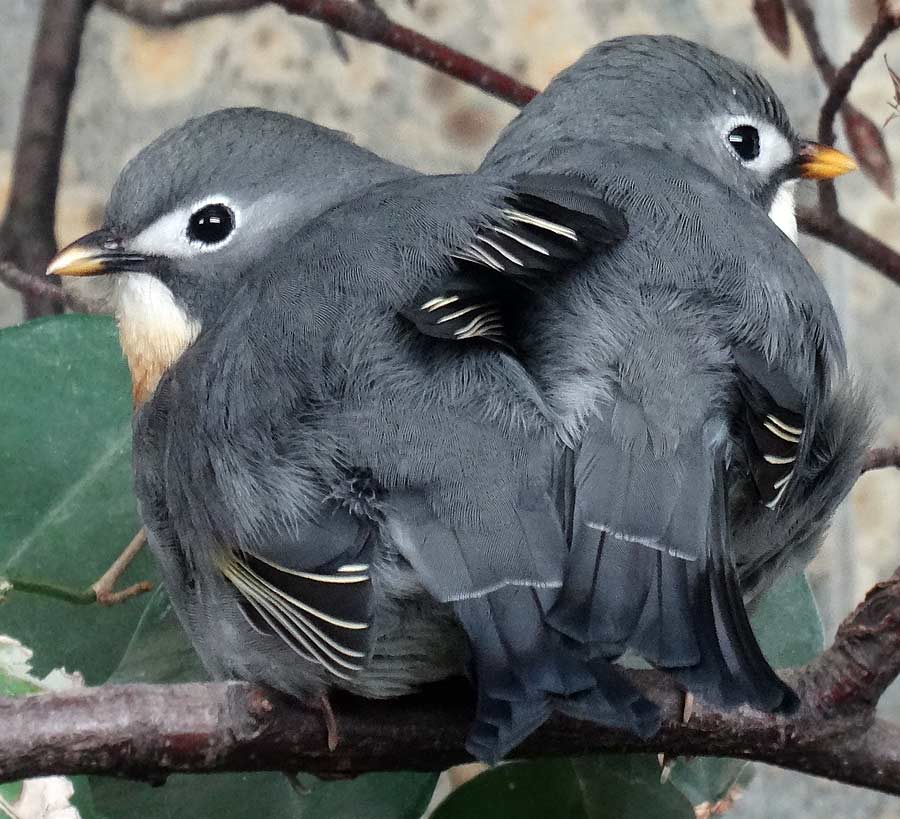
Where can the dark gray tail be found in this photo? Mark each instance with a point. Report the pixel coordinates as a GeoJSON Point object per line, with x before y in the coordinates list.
{"type": "Point", "coordinates": [523, 671]}
{"type": "Point", "coordinates": [668, 590]}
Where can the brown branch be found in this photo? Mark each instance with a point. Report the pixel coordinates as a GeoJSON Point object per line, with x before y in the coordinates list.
{"type": "Point", "coordinates": [864, 659]}
{"type": "Point", "coordinates": [364, 21]}
{"type": "Point", "coordinates": [806, 19]}
{"type": "Point", "coordinates": [882, 458]}
{"type": "Point", "coordinates": [27, 234]}
{"type": "Point", "coordinates": [840, 84]}
{"type": "Point", "coordinates": [151, 731]}
{"type": "Point", "coordinates": [36, 286]}
{"type": "Point", "coordinates": [839, 231]}
{"type": "Point", "coordinates": [826, 222]}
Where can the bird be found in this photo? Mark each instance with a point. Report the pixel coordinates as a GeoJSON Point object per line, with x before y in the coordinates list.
{"type": "Point", "coordinates": [233, 186]}
{"type": "Point", "coordinates": [348, 486]}
{"type": "Point", "coordinates": [696, 369]}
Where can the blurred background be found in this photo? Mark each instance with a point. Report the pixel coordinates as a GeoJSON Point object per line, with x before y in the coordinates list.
{"type": "Point", "coordinates": [135, 82]}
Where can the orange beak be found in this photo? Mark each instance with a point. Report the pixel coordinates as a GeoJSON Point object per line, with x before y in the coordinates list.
{"type": "Point", "coordinates": [817, 161]}
{"type": "Point", "coordinates": [93, 255]}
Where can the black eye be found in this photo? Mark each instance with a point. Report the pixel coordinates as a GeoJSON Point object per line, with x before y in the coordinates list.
{"type": "Point", "coordinates": [744, 140]}
{"type": "Point", "coordinates": [211, 224]}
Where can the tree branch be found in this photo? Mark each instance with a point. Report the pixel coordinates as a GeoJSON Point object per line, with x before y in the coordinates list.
{"type": "Point", "coordinates": [834, 227]}
{"type": "Point", "coordinates": [146, 731]}
{"type": "Point", "coordinates": [28, 232]}
{"type": "Point", "coordinates": [365, 21]}
{"type": "Point", "coordinates": [37, 286]}
{"type": "Point", "coordinates": [839, 85]}
{"type": "Point", "coordinates": [882, 458]}
{"type": "Point", "coordinates": [840, 232]}
{"type": "Point", "coordinates": [806, 19]}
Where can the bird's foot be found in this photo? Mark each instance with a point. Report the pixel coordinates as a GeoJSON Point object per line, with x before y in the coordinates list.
{"type": "Point", "coordinates": [666, 762]}
{"type": "Point", "coordinates": [104, 587]}
{"type": "Point", "coordinates": [331, 726]}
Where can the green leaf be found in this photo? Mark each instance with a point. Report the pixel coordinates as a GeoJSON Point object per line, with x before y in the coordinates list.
{"type": "Point", "coordinates": [787, 623]}
{"type": "Point", "coordinates": [65, 473]}
{"type": "Point", "coordinates": [83, 799]}
{"type": "Point", "coordinates": [224, 796]}
{"type": "Point", "coordinates": [373, 796]}
{"type": "Point", "coordinates": [10, 791]}
{"type": "Point", "coordinates": [159, 651]}
{"type": "Point", "coordinates": [613, 787]}
{"type": "Point", "coordinates": [251, 795]}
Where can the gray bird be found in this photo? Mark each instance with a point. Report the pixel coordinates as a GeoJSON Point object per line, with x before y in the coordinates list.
{"type": "Point", "coordinates": [696, 369]}
{"type": "Point", "coordinates": [346, 485]}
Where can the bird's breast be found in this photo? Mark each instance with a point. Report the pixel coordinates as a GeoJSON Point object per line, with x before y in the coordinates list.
{"type": "Point", "coordinates": [154, 330]}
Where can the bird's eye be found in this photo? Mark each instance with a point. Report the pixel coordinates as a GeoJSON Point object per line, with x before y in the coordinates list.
{"type": "Point", "coordinates": [744, 141]}
{"type": "Point", "coordinates": [211, 224]}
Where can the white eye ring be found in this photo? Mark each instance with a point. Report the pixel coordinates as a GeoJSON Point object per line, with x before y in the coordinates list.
{"type": "Point", "coordinates": [775, 150]}
{"type": "Point", "coordinates": [168, 235]}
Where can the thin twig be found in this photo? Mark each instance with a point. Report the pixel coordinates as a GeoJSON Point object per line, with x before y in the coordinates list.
{"type": "Point", "coordinates": [826, 222]}
{"type": "Point", "coordinates": [78, 597]}
{"type": "Point", "coordinates": [806, 19]}
{"type": "Point", "coordinates": [840, 232]}
{"type": "Point", "coordinates": [361, 20]}
{"type": "Point", "coordinates": [101, 591]}
{"type": "Point", "coordinates": [27, 234]}
{"type": "Point", "coordinates": [103, 588]}
{"type": "Point", "coordinates": [39, 287]}
{"type": "Point", "coordinates": [839, 87]}
{"type": "Point", "coordinates": [149, 731]}
{"type": "Point", "coordinates": [882, 458]}
{"type": "Point", "coordinates": [840, 84]}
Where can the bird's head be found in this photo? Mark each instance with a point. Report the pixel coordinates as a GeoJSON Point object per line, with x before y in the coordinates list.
{"type": "Point", "coordinates": [197, 211]}
{"type": "Point", "coordinates": [673, 94]}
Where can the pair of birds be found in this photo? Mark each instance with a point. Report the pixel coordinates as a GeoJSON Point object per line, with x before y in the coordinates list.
{"type": "Point", "coordinates": [580, 402]}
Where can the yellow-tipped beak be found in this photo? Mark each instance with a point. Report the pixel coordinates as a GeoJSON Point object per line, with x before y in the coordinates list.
{"type": "Point", "coordinates": [817, 161]}
{"type": "Point", "coordinates": [93, 255]}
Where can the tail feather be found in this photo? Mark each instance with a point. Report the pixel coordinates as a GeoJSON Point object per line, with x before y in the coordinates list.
{"type": "Point", "coordinates": [650, 568]}
{"type": "Point", "coordinates": [523, 670]}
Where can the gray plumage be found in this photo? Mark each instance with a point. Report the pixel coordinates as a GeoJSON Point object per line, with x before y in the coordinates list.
{"type": "Point", "coordinates": [340, 437]}
{"type": "Point", "coordinates": [379, 434]}
{"type": "Point", "coordinates": [697, 369]}
{"type": "Point", "coordinates": [335, 496]}
{"type": "Point", "coordinates": [658, 92]}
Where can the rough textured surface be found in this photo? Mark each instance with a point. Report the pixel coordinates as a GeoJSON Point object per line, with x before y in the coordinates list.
{"type": "Point", "coordinates": [135, 82]}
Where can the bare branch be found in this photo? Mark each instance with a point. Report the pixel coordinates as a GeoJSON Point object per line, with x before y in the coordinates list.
{"type": "Point", "coordinates": [806, 19]}
{"type": "Point", "coordinates": [151, 731]}
{"type": "Point", "coordinates": [864, 659]}
{"type": "Point", "coordinates": [27, 234]}
{"type": "Point", "coordinates": [365, 21]}
{"type": "Point", "coordinates": [882, 458]}
{"type": "Point", "coordinates": [840, 232]}
{"type": "Point", "coordinates": [840, 84]}
{"type": "Point", "coordinates": [37, 286]}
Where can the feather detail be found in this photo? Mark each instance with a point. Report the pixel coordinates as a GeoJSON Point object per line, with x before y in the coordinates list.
{"type": "Point", "coordinates": [546, 226]}
{"type": "Point", "coordinates": [771, 428]}
{"type": "Point", "coordinates": [323, 617]}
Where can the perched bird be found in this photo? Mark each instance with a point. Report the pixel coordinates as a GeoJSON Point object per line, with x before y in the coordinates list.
{"type": "Point", "coordinates": [696, 368]}
{"type": "Point", "coordinates": [549, 404]}
{"type": "Point", "coordinates": [347, 485]}
{"type": "Point", "coordinates": [214, 195]}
